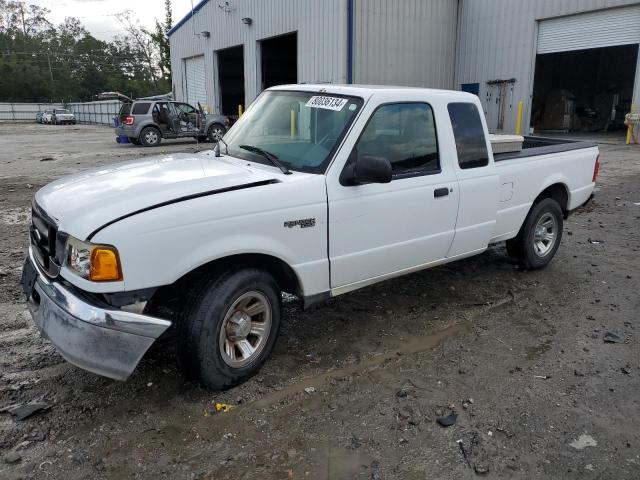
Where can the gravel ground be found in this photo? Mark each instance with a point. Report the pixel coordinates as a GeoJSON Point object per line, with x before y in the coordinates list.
{"type": "Point", "coordinates": [354, 387]}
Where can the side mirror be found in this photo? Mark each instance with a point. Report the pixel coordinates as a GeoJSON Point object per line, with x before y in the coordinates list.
{"type": "Point", "coordinates": [367, 169]}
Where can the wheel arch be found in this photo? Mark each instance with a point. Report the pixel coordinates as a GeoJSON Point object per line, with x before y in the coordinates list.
{"type": "Point", "coordinates": [285, 276]}
{"type": "Point", "coordinates": [557, 191]}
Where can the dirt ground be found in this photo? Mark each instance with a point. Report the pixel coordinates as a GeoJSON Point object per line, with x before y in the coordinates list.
{"type": "Point", "coordinates": [354, 387]}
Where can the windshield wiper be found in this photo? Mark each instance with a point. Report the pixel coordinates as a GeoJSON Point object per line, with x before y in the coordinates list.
{"type": "Point", "coordinates": [268, 155]}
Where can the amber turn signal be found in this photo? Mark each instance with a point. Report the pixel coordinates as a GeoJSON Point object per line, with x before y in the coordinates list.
{"type": "Point", "coordinates": [105, 265]}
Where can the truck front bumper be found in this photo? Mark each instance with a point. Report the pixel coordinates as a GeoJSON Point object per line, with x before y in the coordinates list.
{"type": "Point", "coordinates": [105, 341]}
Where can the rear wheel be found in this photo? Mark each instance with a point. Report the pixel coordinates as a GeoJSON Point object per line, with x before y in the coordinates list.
{"type": "Point", "coordinates": [150, 137]}
{"type": "Point", "coordinates": [229, 327]}
{"type": "Point", "coordinates": [216, 132]}
{"type": "Point", "coordinates": [539, 238]}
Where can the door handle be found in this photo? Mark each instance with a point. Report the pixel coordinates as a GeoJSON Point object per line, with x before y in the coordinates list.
{"type": "Point", "coordinates": [441, 192]}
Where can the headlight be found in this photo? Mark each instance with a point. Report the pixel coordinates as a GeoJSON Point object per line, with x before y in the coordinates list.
{"type": "Point", "coordinates": [98, 263]}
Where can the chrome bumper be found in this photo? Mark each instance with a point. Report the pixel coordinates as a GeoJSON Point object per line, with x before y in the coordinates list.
{"type": "Point", "coordinates": [104, 341]}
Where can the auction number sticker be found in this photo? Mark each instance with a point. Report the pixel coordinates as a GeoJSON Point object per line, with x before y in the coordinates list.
{"type": "Point", "coordinates": [328, 103]}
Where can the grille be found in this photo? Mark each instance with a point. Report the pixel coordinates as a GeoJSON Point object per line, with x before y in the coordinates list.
{"type": "Point", "coordinates": [43, 233]}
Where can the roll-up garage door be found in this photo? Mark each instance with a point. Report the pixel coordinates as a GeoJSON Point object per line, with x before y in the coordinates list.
{"type": "Point", "coordinates": [195, 81]}
{"type": "Point", "coordinates": [606, 28]}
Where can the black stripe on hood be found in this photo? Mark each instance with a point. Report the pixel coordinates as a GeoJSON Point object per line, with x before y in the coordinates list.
{"type": "Point", "coordinates": [183, 199]}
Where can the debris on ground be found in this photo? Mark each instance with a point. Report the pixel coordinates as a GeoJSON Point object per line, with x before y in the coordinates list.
{"type": "Point", "coordinates": [481, 468]}
{"type": "Point", "coordinates": [583, 441]}
{"type": "Point", "coordinates": [611, 338]}
{"type": "Point", "coordinates": [402, 393]}
{"type": "Point", "coordinates": [448, 420]}
{"type": "Point", "coordinates": [12, 457]}
{"type": "Point", "coordinates": [310, 390]}
{"type": "Point", "coordinates": [218, 408]}
{"type": "Point", "coordinates": [464, 452]}
{"type": "Point", "coordinates": [626, 369]}
{"type": "Point", "coordinates": [543, 377]}
{"type": "Point", "coordinates": [47, 159]}
{"type": "Point", "coordinates": [25, 410]}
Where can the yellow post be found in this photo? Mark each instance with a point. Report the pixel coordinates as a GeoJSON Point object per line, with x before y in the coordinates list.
{"type": "Point", "coordinates": [293, 124]}
{"type": "Point", "coordinates": [519, 119]}
{"type": "Point", "coordinates": [630, 126]}
{"type": "Point", "coordinates": [239, 110]}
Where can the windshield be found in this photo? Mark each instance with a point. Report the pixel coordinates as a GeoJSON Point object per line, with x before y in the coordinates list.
{"type": "Point", "coordinates": [61, 110]}
{"type": "Point", "coordinates": [302, 129]}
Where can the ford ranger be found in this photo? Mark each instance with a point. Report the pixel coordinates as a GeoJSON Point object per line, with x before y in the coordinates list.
{"type": "Point", "coordinates": [316, 191]}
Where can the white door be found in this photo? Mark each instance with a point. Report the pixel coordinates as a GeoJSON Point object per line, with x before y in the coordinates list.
{"type": "Point", "coordinates": [381, 230]}
{"type": "Point", "coordinates": [195, 84]}
{"type": "Point", "coordinates": [606, 28]}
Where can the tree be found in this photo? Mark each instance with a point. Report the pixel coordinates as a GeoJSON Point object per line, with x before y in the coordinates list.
{"type": "Point", "coordinates": [160, 38]}
{"type": "Point", "coordinates": [40, 62]}
{"type": "Point", "coordinates": [29, 19]}
{"type": "Point", "coordinates": [142, 41]}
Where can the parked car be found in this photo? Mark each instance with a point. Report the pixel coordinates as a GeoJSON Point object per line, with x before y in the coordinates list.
{"type": "Point", "coordinates": [317, 190]}
{"type": "Point", "coordinates": [146, 122]}
{"type": "Point", "coordinates": [46, 116]}
{"type": "Point", "coordinates": [39, 117]}
{"type": "Point", "coordinates": [59, 116]}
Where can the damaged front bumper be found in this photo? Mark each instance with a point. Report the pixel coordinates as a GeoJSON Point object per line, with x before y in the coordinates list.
{"type": "Point", "coordinates": [105, 341]}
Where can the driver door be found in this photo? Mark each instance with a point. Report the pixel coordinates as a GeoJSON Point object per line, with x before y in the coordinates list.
{"type": "Point", "coordinates": [380, 230]}
{"type": "Point", "coordinates": [188, 119]}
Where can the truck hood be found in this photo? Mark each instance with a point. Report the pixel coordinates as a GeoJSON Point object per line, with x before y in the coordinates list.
{"type": "Point", "coordinates": [80, 204]}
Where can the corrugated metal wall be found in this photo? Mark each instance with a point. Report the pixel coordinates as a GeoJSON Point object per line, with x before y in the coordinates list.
{"type": "Point", "coordinates": [405, 42]}
{"type": "Point", "coordinates": [322, 40]}
{"type": "Point", "coordinates": [497, 40]}
{"type": "Point", "coordinates": [614, 26]}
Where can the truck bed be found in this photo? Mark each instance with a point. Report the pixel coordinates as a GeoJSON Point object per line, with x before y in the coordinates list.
{"type": "Point", "coordinates": [534, 146]}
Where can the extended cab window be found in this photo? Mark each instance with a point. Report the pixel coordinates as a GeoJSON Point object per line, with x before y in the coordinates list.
{"type": "Point", "coordinates": [404, 134]}
{"type": "Point", "coordinates": [140, 108]}
{"type": "Point", "coordinates": [469, 135]}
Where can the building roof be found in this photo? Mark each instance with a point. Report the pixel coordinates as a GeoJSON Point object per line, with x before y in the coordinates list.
{"type": "Point", "coordinates": [187, 17]}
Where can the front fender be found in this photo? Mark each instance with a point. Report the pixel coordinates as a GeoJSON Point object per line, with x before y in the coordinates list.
{"type": "Point", "coordinates": [159, 246]}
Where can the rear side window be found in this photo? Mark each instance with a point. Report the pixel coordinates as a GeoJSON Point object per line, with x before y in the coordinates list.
{"type": "Point", "coordinates": [471, 144]}
{"type": "Point", "coordinates": [404, 134]}
{"type": "Point", "coordinates": [140, 108]}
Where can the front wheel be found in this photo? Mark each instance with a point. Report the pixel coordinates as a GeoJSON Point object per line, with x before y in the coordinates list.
{"type": "Point", "coordinates": [150, 137]}
{"type": "Point", "coordinates": [229, 327]}
{"type": "Point", "coordinates": [539, 238]}
{"type": "Point", "coordinates": [216, 132]}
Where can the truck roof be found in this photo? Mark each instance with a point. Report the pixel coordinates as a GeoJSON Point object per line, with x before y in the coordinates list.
{"type": "Point", "coordinates": [368, 90]}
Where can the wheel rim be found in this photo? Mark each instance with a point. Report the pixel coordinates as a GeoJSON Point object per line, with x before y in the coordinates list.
{"type": "Point", "coordinates": [545, 234]}
{"type": "Point", "coordinates": [245, 329]}
{"type": "Point", "coordinates": [216, 133]}
{"type": "Point", "coordinates": [151, 137]}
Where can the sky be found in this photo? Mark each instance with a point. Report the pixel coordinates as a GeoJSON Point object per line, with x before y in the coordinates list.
{"type": "Point", "coordinates": [98, 15]}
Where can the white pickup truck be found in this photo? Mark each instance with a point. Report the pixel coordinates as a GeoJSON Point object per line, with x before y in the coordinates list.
{"type": "Point", "coordinates": [316, 191]}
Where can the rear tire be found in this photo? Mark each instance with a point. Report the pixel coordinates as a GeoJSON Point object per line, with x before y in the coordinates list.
{"type": "Point", "coordinates": [229, 327]}
{"type": "Point", "coordinates": [539, 238]}
{"type": "Point", "coordinates": [150, 137]}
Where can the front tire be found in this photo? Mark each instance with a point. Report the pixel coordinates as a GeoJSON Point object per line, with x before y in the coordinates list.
{"type": "Point", "coordinates": [150, 137]}
{"type": "Point", "coordinates": [216, 132]}
{"type": "Point", "coordinates": [539, 238]}
{"type": "Point", "coordinates": [229, 327]}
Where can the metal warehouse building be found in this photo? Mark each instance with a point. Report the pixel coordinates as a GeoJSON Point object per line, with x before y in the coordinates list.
{"type": "Point", "coordinates": [573, 64]}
